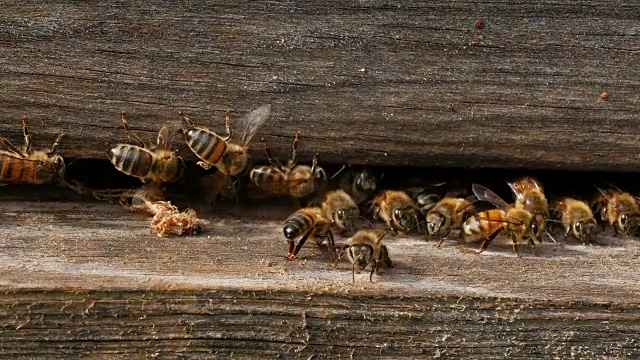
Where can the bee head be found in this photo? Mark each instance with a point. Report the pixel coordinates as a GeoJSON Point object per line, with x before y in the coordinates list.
{"type": "Point", "coordinates": [365, 181]}
{"type": "Point", "coordinates": [360, 255]}
{"type": "Point", "coordinates": [435, 221]}
{"type": "Point", "coordinates": [407, 218]}
{"type": "Point", "coordinates": [348, 217]}
{"type": "Point", "coordinates": [585, 230]}
{"type": "Point", "coordinates": [237, 162]}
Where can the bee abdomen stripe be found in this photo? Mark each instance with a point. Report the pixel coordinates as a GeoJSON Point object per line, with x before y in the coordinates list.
{"type": "Point", "coordinates": [215, 149]}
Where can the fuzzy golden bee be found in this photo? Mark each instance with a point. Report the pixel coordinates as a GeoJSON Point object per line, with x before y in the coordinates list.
{"type": "Point", "coordinates": [366, 248]}
{"type": "Point", "coordinates": [618, 209]}
{"type": "Point", "coordinates": [213, 150]}
{"type": "Point", "coordinates": [297, 181]}
{"type": "Point", "coordinates": [577, 220]}
{"type": "Point", "coordinates": [448, 214]}
{"type": "Point", "coordinates": [157, 164]}
{"type": "Point", "coordinates": [518, 223]}
{"type": "Point", "coordinates": [426, 201]}
{"type": "Point", "coordinates": [530, 196]}
{"type": "Point", "coordinates": [360, 184]}
{"type": "Point", "coordinates": [342, 209]}
{"type": "Point", "coordinates": [398, 211]}
{"type": "Point", "coordinates": [308, 223]}
{"type": "Point", "coordinates": [27, 166]}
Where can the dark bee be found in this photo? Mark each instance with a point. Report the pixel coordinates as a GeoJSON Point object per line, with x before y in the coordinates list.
{"type": "Point", "coordinates": [360, 184]}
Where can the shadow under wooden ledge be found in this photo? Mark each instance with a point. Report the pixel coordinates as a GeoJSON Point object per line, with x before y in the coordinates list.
{"type": "Point", "coordinates": [84, 276]}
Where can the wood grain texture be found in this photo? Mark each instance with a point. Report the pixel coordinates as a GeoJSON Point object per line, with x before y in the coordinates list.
{"type": "Point", "coordinates": [82, 278]}
{"type": "Point", "coordinates": [365, 82]}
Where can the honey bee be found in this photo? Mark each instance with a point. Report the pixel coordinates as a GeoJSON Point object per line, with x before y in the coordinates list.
{"type": "Point", "coordinates": [158, 164]}
{"type": "Point", "coordinates": [619, 209]}
{"type": "Point", "coordinates": [518, 223]}
{"type": "Point", "coordinates": [341, 208]}
{"type": "Point", "coordinates": [360, 184]}
{"type": "Point", "coordinates": [530, 196]}
{"type": "Point", "coordinates": [308, 223]}
{"type": "Point", "coordinates": [397, 210]}
{"type": "Point", "coordinates": [577, 219]}
{"type": "Point", "coordinates": [297, 181]}
{"type": "Point", "coordinates": [214, 150]}
{"type": "Point", "coordinates": [365, 247]}
{"type": "Point", "coordinates": [448, 214]}
{"type": "Point", "coordinates": [28, 166]}
{"type": "Point", "coordinates": [426, 201]}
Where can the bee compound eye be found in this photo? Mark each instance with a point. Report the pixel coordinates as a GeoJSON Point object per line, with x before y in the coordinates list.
{"type": "Point", "coordinates": [623, 219]}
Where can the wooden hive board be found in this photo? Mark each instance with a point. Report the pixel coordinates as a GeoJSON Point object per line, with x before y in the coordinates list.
{"type": "Point", "coordinates": [366, 82]}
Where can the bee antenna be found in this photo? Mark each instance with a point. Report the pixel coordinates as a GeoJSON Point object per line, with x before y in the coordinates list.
{"type": "Point", "coordinates": [338, 172]}
{"type": "Point", "coordinates": [353, 271]}
{"type": "Point", "coordinates": [603, 193]}
{"type": "Point", "coordinates": [380, 178]}
{"type": "Point", "coordinates": [615, 187]}
{"type": "Point", "coordinates": [550, 237]}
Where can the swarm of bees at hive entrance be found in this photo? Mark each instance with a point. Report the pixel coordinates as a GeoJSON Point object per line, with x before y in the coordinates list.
{"type": "Point", "coordinates": [346, 213]}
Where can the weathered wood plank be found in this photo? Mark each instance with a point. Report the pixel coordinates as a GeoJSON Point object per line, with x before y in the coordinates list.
{"type": "Point", "coordinates": [364, 81]}
{"type": "Point", "coordinates": [79, 277]}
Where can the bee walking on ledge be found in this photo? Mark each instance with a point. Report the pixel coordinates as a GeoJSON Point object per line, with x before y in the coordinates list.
{"type": "Point", "coordinates": [365, 247]}
{"type": "Point", "coordinates": [308, 223]}
{"type": "Point", "coordinates": [28, 166]}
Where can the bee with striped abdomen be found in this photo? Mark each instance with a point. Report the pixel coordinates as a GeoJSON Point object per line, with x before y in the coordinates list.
{"type": "Point", "coordinates": [28, 166]}
{"type": "Point", "coordinates": [398, 211]}
{"type": "Point", "coordinates": [213, 150]}
{"type": "Point", "coordinates": [519, 224]}
{"type": "Point", "coordinates": [158, 164]}
{"type": "Point", "coordinates": [577, 219]}
{"type": "Point", "coordinates": [308, 223]}
{"type": "Point", "coordinates": [297, 181]}
{"type": "Point", "coordinates": [341, 209]}
{"type": "Point", "coordinates": [365, 247]}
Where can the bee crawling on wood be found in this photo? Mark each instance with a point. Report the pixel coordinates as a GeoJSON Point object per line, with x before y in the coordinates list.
{"type": "Point", "coordinates": [297, 181]}
{"type": "Point", "coordinates": [27, 166]}
{"type": "Point", "coordinates": [341, 209]}
{"type": "Point", "coordinates": [448, 214]}
{"type": "Point", "coordinates": [157, 164]}
{"type": "Point", "coordinates": [518, 223]}
{"type": "Point", "coordinates": [530, 196]}
{"type": "Point", "coordinates": [577, 220]}
{"type": "Point", "coordinates": [618, 209]}
{"type": "Point", "coordinates": [366, 248]}
{"type": "Point", "coordinates": [398, 211]}
{"type": "Point", "coordinates": [308, 223]}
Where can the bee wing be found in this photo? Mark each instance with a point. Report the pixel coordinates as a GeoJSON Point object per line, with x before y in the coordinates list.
{"type": "Point", "coordinates": [512, 186]}
{"type": "Point", "coordinates": [252, 121]}
{"type": "Point", "coordinates": [166, 134]}
{"type": "Point", "coordinates": [484, 194]}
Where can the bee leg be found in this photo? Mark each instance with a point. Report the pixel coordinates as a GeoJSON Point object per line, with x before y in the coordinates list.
{"type": "Point", "coordinates": [27, 137]}
{"type": "Point", "coordinates": [11, 148]}
{"type": "Point", "coordinates": [512, 237]}
{"type": "Point", "coordinates": [291, 255]}
{"type": "Point", "coordinates": [294, 150]}
{"type": "Point", "coordinates": [186, 119]}
{"type": "Point", "coordinates": [444, 237]}
{"type": "Point", "coordinates": [533, 246]}
{"type": "Point", "coordinates": [204, 165]}
{"type": "Point", "coordinates": [272, 160]}
{"type": "Point", "coordinates": [54, 146]}
{"type": "Point", "coordinates": [384, 253]}
{"type": "Point", "coordinates": [567, 229]}
{"type": "Point", "coordinates": [331, 246]}
{"type": "Point", "coordinates": [353, 272]}
{"type": "Point", "coordinates": [485, 243]}
{"type": "Point", "coordinates": [130, 135]}
{"type": "Point", "coordinates": [226, 124]}
{"type": "Point", "coordinates": [374, 269]}
{"type": "Point", "coordinates": [615, 230]}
